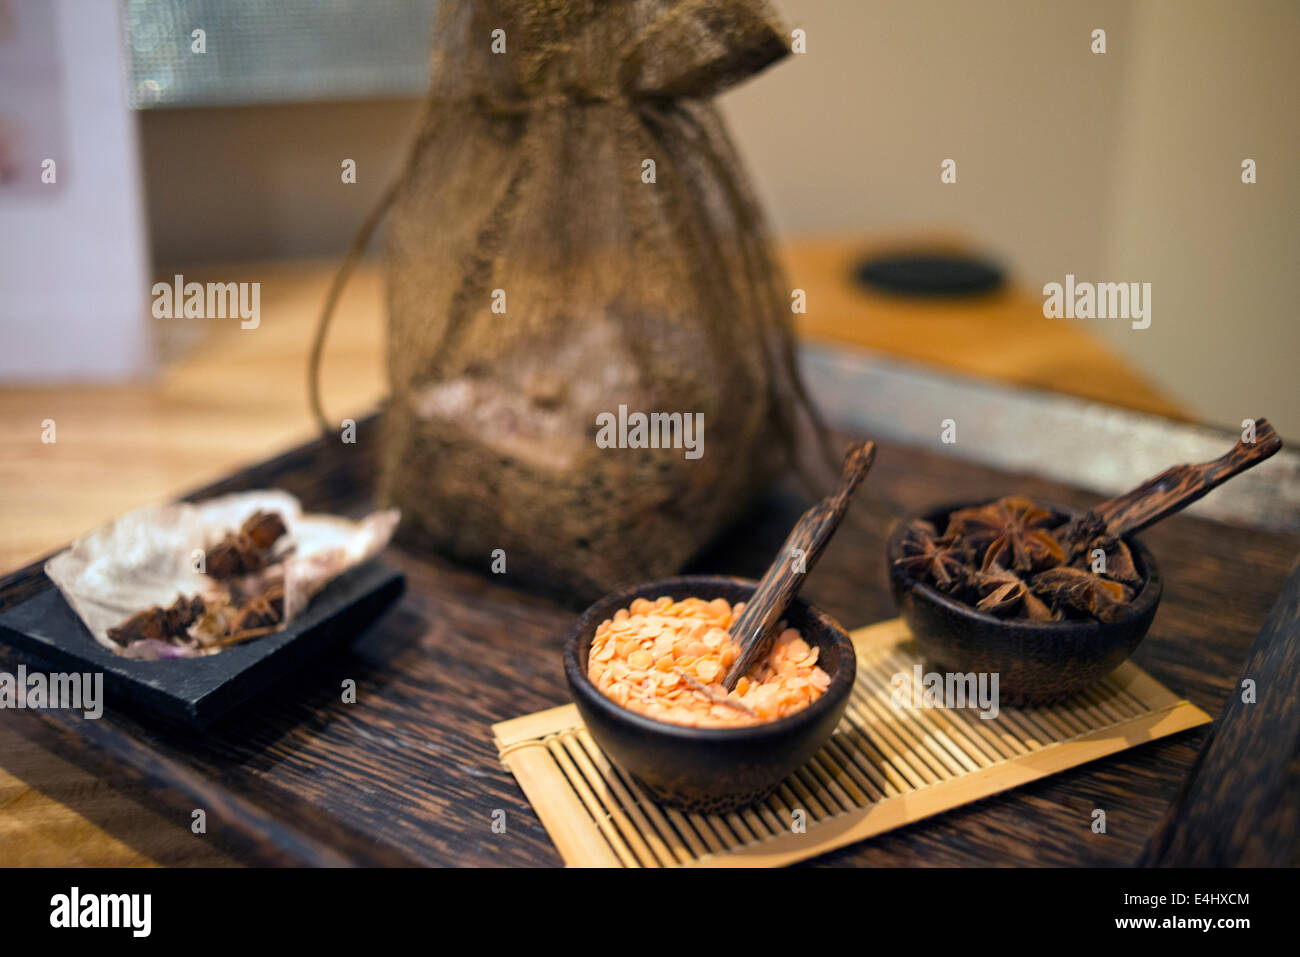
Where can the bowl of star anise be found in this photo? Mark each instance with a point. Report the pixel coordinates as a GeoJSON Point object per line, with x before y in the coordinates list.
{"type": "Point", "coordinates": [1048, 599]}
{"type": "Point", "coordinates": [1036, 594]}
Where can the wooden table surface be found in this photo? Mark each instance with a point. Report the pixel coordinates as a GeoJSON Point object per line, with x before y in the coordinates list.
{"type": "Point", "coordinates": [227, 397]}
{"type": "Point", "coordinates": [408, 772]}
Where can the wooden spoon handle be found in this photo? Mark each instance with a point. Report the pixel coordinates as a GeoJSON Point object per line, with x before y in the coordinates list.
{"type": "Point", "coordinates": [804, 545]}
{"type": "Point", "coordinates": [1177, 487]}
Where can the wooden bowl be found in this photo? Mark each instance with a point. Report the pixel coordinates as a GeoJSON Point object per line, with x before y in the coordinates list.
{"type": "Point", "coordinates": [1036, 662]}
{"type": "Point", "coordinates": [710, 770]}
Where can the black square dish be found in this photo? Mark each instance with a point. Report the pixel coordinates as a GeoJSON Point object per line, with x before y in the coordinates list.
{"type": "Point", "coordinates": [197, 691]}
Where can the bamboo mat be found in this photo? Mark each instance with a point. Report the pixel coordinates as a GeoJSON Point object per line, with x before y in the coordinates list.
{"type": "Point", "coordinates": [883, 768]}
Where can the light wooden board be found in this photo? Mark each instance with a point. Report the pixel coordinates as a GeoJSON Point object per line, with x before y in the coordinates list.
{"type": "Point", "coordinates": [883, 768]}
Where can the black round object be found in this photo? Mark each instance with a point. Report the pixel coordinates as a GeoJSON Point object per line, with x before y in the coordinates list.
{"type": "Point", "coordinates": [1036, 662]}
{"type": "Point", "coordinates": [930, 274]}
{"type": "Point", "coordinates": [710, 770]}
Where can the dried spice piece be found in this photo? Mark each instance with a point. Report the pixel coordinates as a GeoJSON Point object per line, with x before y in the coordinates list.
{"type": "Point", "coordinates": [1004, 593]}
{"type": "Point", "coordinates": [221, 622]}
{"type": "Point", "coordinates": [263, 611]}
{"type": "Point", "coordinates": [928, 558]}
{"type": "Point", "coordinates": [1081, 540]}
{"type": "Point", "coordinates": [183, 613]}
{"type": "Point", "coordinates": [248, 550]}
{"type": "Point", "coordinates": [123, 578]}
{"type": "Point", "coordinates": [1012, 532]}
{"type": "Point", "coordinates": [1014, 559]}
{"type": "Point", "coordinates": [1119, 562]}
{"type": "Point", "coordinates": [159, 624]}
{"type": "Point", "coordinates": [264, 529]}
{"type": "Point", "coordinates": [1075, 535]}
{"type": "Point", "coordinates": [150, 624]}
{"type": "Point", "coordinates": [1118, 559]}
{"type": "Point", "coordinates": [251, 608]}
{"type": "Point", "coordinates": [1073, 589]}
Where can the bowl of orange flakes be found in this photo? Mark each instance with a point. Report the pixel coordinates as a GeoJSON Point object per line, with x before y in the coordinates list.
{"type": "Point", "coordinates": [646, 666]}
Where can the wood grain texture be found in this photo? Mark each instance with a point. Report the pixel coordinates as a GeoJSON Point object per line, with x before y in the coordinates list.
{"type": "Point", "coordinates": [1180, 485]}
{"type": "Point", "coordinates": [56, 814]}
{"type": "Point", "coordinates": [409, 773]}
{"type": "Point", "coordinates": [1238, 806]}
{"type": "Point", "coordinates": [797, 557]}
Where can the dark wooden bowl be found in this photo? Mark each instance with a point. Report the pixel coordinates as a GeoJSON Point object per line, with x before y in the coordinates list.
{"type": "Point", "coordinates": [1036, 662]}
{"type": "Point", "coordinates": [710, 770]}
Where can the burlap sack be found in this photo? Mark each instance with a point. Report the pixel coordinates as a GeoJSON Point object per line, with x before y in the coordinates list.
{"type": "Point", "coordinates": [542, 272]}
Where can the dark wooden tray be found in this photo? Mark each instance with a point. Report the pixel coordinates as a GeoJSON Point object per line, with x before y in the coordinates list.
{"type": "Point", "coordinates": [409, 773]}
{"type": "Point", "coordinates": [201, 691]}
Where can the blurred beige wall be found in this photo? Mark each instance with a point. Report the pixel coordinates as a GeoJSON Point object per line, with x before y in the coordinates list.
{"type": "Point", "coordinates": [264, 182]}
{"type": "Point", "coordinates": [851, 134]}
{"type": "Point", "coordinates": [1123, 166]}
{"type": "Point", "coordinates": [1217, 83]}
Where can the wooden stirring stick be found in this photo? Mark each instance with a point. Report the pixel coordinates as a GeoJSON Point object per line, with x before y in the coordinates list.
{"type": "Point", "coordinates": [1177, 487]}
{"type": "Point", "coordinates": [796, 558]}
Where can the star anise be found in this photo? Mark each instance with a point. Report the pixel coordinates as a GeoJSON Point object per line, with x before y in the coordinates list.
{"type": "Point", "coordinates": [249, 616]}
{"type": "Point", "coordinates": [158, 623]}
{"type": "Point", "coordinates": [1114, 561]}
{"type": "Point", "coordinates": [1012, 532]}
{"type": "Point", "coordinates": [248, 550]}
{"type": "Point", "coordinates": [263, 611]}
{"type": "Point", "coordinates": [928, 558]}
{"type": "Point", "coordinates": [1004, 593]}
{"type": "Point", "coordinates": [1082, 592]}
{"type": "Point", "coordinates": [264, 528]}
{"type": "Point", "coordinates": [1075, 535]}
